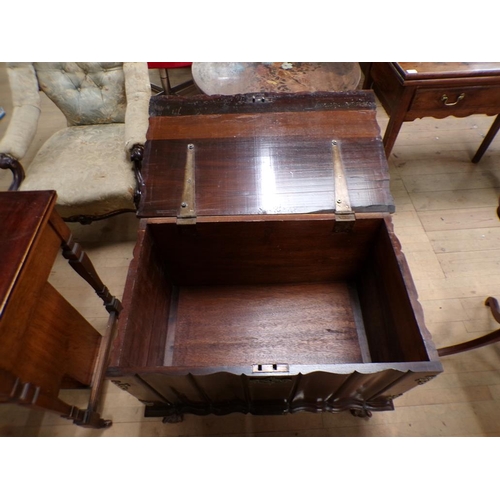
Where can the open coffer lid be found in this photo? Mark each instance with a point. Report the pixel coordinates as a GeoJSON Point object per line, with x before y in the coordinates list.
{"type": "Point", "coordinates": [264, 154]}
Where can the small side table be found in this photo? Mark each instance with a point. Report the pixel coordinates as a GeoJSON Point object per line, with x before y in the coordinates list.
{"type": "Point", "coordinates": [245, 77]}
{"type": "Point", "coordinates": [45, 343]}
{"type": "Point", "coordinates": [410, 90]}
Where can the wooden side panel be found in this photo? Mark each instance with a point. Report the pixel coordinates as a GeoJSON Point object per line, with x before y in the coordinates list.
{"type": "Point", "coordinates": [243, 252]}
{"type": "Point", "coordinates": [386, 85]}
{"type": "Point", "coordinates": [223, 393]}
{"type": "Point", "coordinates": [389, 303]}
{"type": "Point", "coordinates": [28, 290]}
{"type": "Point", "coordinates": [58, 341]}
{"type": "Point", "coordinates": [142, 325]}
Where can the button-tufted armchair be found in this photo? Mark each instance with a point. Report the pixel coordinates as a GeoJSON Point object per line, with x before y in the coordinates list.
{"type": "Point", "coordinates": [94, 163]}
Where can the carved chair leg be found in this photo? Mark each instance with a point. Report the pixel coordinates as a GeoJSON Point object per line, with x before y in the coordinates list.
{"type": "Point", "coordinates": [487, 339]}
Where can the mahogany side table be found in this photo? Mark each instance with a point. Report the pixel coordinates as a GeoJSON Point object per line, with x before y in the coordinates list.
{"type": "Point", "coordinates": [410, 90]}
{"type": "Point", "coordinates": [45, 343]}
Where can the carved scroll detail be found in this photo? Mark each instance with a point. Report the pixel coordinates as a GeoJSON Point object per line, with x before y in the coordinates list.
{"type": "Point", "coordinates": [136, 156]}
{"type": "Point", "coordinates": [10, 163]}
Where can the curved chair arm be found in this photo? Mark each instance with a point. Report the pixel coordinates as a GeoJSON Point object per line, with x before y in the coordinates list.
{"type": "Point", "coordinates": [10, 163]}
{"type": "Point", "coordinates": [490, 338]}
{"type": "Point", "coordinates": [138, 91]}
{"type": "Point", "coordinates": [24, 121]}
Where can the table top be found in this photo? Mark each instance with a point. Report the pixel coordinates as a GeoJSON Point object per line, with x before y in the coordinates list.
{"type": "Point", "coordinates": [231, 78]}
{"type": "Point", "coordinates": [21, 216]}
{"type": "Point", "coordinates": [431, 70]}
{"type": "Point", "coordinates": [264, 154]}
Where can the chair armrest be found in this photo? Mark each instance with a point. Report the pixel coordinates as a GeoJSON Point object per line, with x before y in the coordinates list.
{"type": "Point", "coordinates": [138, 91]}
{"type": "Point", "coordinates": [26, 100]}
{"type": "Point", "coordinates": [7, 162]}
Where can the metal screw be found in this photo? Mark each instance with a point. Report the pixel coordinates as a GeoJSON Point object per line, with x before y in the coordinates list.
{"type": "Point", "coordinates": [190, 146]}
{"type": "Point", "coordinates": [184, 204]}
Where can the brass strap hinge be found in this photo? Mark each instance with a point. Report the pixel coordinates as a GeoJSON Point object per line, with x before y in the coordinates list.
{"type": "Point", "coordinates": [344, 215]}
{"type": "Point", "coordinates": [187, 208]}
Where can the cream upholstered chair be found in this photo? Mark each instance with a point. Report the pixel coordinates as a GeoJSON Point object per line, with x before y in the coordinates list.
{"type": "Point", "coordinates": [94, 163]}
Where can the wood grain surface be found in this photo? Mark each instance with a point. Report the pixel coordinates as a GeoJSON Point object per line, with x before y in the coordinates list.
{"type": "Point", "coordinates": [239, 325]}
{"type": "Point", "coordinates": [267, 157]}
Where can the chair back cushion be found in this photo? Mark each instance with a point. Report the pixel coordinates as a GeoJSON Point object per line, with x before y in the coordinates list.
{"type": "Point", "coordinates": [87, 93]}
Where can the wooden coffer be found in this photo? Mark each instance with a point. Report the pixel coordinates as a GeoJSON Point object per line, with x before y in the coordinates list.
{"type": "Point", "coordinates": [267, 277]}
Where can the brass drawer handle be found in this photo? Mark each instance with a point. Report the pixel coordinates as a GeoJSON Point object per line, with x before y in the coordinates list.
{"type": "Point", "coordinates": [445, 99]}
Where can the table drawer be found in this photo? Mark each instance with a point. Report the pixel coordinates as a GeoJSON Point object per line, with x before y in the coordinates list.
{"type": "Point", "coordinates": [456, 101]}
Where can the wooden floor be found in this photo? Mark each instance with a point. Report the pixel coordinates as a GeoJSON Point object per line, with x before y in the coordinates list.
{"type": "Point", "coordinates": [446, 221]}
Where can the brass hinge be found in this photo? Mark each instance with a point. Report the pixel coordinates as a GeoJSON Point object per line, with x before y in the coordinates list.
{"type": "Point", "coordinates": [187, 208]}
{"type": "Point", "coordinates": [344, 215]}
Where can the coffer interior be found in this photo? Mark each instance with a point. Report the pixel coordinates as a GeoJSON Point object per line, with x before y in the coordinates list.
{"type": "Point", "coordinates": [269, 292]}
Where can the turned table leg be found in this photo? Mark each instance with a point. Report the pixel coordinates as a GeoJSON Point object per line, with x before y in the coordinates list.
{"type": "Point", "coordinates": [81, 263]}
{"type": "Point", "coordinates": [397, 117]}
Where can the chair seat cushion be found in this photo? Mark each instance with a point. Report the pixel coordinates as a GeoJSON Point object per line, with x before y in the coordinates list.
{"type": "Point", "coordinates": [88, 167]}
